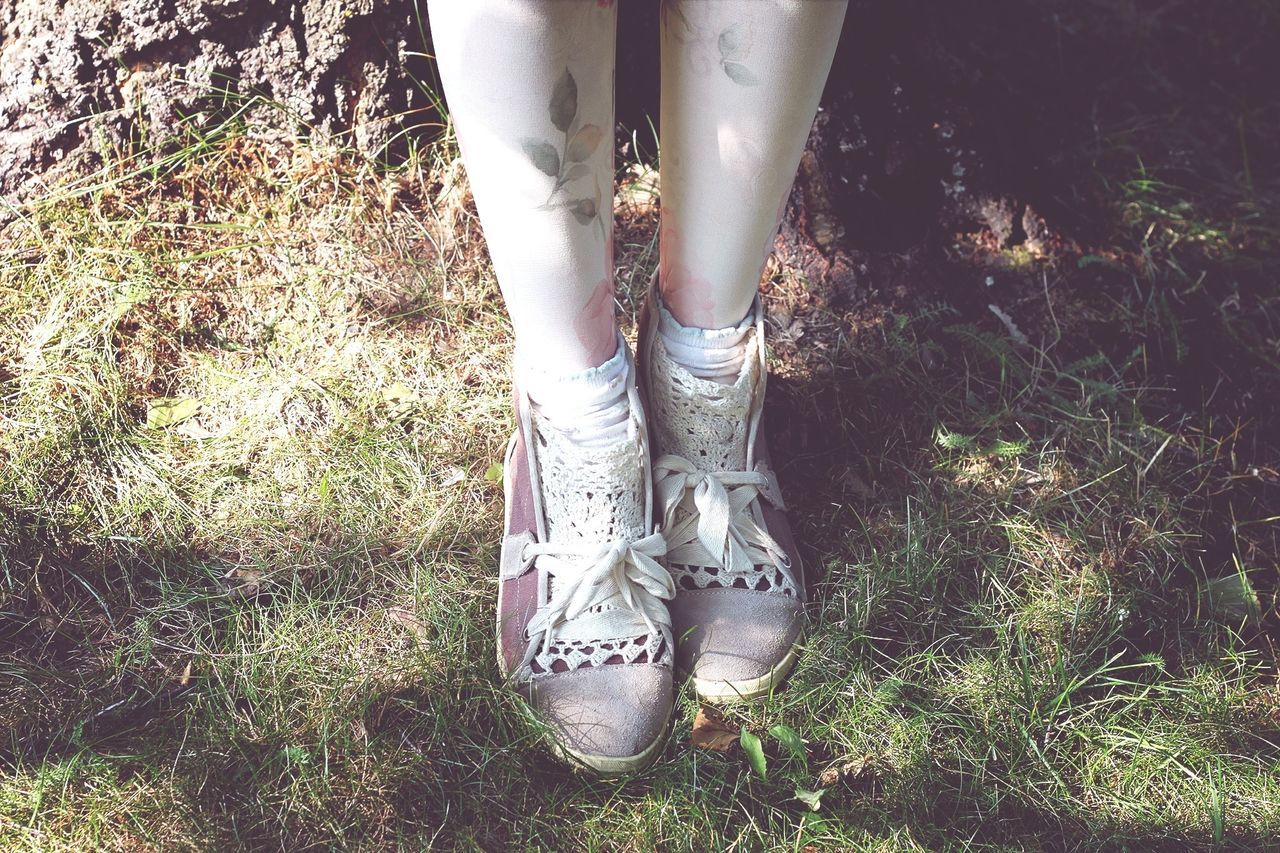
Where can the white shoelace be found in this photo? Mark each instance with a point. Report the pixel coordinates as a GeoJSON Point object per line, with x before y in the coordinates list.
{"type": "Point", "coordinates": [623, 579]}
{"type": "Point", "coordinates": [721, 526]}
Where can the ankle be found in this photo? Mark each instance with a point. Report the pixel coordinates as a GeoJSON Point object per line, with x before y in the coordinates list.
{"type": "Point", "coordinates": [714, 354]}
{"type": "Point", "coordinates": [591, 408]}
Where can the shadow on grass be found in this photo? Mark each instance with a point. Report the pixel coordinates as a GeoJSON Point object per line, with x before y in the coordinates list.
{"type": "Point", "coordinates": [991, 503]}
{"type": "Point", "coordinates": [1012, 522]}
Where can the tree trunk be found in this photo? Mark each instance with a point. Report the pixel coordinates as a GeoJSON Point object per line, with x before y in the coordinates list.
{"type": "Point", "coordinates": [78, 77]}
{"type": "Point", "coordinates": [933, 118]}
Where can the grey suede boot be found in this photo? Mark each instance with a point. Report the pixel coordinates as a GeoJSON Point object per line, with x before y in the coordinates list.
{"type": "Point", "coordinates": [584, 633]}
{"type": "Point", "coordinates": [738, 613]}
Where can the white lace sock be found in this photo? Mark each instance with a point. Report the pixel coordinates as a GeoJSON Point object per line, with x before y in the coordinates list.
{"type": "Point", "coordinates": [714, 354]}
{"type": "Point", "coordinates": [590, 407]}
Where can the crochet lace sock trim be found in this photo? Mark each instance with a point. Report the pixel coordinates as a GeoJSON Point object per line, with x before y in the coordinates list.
{"type": "Point", "coordinates": [702, 420]}
{"type": "Point", "coordinates": [708, 423]}
{"type": "Point", "coordinates": [589, 495]}
{"type": "Point", "coordinates": [589, 407]}
{"type": "Point", "coordinates": [592, 495]}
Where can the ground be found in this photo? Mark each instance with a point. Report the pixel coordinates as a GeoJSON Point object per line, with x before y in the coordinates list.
{"type": "Point", "coordinates": [253, 399]}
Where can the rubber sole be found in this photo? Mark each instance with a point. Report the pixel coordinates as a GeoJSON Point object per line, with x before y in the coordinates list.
{"type": "Point", "coordinates": [601, 765]}
{"type": "Point", "coordinates": [747, 689]}
{"type": "Point", "coordinates": [609, 765]}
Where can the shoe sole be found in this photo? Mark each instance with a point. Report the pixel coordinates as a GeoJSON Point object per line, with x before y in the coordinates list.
{"type": "Point", "coordinates": [601, 765]}
{"type": "Point", "coordinates": [747, 689]}
{"type": "Point", "coordinates": [610, 765]}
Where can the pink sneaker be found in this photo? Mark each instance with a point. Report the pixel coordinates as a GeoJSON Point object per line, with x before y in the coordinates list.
{"type": "Point", "coordinates": [739, 607]}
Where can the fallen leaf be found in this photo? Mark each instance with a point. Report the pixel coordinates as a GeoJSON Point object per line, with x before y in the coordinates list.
{"type": "Point", "coordinates": [168, 411]}
{"type": "Point", "coordinates": [185, 679]}
{"type": "Point", "coordinates": [754, 749]}
{"type": "Point", "coordinates": [245, 582]}
{"type": "Point", "coordinates": [1232, 597]}
{"type": "Point", "coordinates": [857, 485]}
{"type": "Point", "coordinates": [1010, 326]}
{"type": "Point", "coordinates": [848, 772]}
{"type": "Point", "coordinates": [638, 190]}
{"type": "Point", "coordinates": [194, 430]}
{"type": "Point", "coordinates": [410, 621]}
{"type": "Point", "coordinates": [711, 732]}
{"type": "Point", "coordinates": [812, 799]}
{"type": "Point", "coordinates": [399, 394]}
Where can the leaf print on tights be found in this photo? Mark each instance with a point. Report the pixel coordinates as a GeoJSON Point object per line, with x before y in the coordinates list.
{"type": "Point", "coordinates": [543, 155]}
{"type": "Point", "coordinates": [732, 43]}
{"type": "Point", "coordinates": [564, 102]}
{"type": "Point", "coordinates": [567, 161]}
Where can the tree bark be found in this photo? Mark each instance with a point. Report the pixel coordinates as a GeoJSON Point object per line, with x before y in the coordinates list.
{"type": "Point", "coordinates": [932, 118]}
{"type": "Point", "coordinates": [80, 77]}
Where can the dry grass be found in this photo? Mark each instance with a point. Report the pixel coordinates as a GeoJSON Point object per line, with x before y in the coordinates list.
{"type": "Point", "coordinates": [1046, 570]}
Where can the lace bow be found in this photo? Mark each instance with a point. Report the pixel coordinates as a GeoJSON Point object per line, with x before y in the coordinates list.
{"type": "Point", "coordinates": [723, 528]}
{"type": "Point", "coordinates": [620, 570]}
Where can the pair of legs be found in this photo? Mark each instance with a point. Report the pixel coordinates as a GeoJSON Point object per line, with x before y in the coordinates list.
{"type": "Point", "coordinates": [639, 539]}
{"type": "Point", "coordinates": [530, 89]}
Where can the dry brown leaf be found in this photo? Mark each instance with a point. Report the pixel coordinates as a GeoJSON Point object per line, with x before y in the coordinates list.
{"type": "Point", "coordinates": [410, 621]}
{"type": "Point", "coordinates": [850, 772]}
{"type": "Point", "coordinates": [857, 485]}
{"type": "Point", "coordinates": [710, 731]}
{"type": "Point", "coordinates": [245, 583]}
{"type": "Point", "coordinates": [195, 430]}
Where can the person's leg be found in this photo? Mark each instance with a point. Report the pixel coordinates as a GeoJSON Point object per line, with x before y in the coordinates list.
{"type": "Point", "coordinates": [583, 630]}
{"type": "Point", "coordinates": [740, 86]}
{"type": "Point", "coordinates": [529, 85]}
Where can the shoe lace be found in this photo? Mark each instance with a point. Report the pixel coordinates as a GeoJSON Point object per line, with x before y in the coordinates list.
{"type": "Point", "coordinates": [721, 525]}
{"type": "Point", "coordinates": [595, 579]}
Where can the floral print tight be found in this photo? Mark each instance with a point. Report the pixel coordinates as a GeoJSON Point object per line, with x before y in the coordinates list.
{"type": "Point", "coordinates": [529, 85]}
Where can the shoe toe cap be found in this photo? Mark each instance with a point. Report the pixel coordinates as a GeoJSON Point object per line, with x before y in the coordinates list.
{"type": "Point", "coordinates": [734, 635]}
{"type": "Point", "coordinates": [609, 712]}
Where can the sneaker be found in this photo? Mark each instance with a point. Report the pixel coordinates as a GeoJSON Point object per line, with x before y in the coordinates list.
{"type": "Point", "coordinates": [738, 613]}
{"type": "Point", "coordinates": [584, 633]}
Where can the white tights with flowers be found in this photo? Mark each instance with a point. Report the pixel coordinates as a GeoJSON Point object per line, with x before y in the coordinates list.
{"type": "Point", "coordinates": [529, 85]}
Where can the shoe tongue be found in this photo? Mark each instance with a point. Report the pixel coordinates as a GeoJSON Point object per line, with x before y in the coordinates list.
{"type": "Point", "coordinates": [702, 420]}
{"type": "Point", "coordinates": [592, 495]}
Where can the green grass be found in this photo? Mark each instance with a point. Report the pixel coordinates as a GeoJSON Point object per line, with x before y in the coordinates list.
{"type": "Point", "coordinates": [1045, 572]}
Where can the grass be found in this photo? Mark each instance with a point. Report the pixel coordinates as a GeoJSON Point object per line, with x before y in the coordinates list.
{"type": "Point", "coordinates": [250, 401]}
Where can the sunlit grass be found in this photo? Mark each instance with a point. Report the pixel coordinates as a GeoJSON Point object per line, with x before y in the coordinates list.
{"type": "Point", "coordinates": [1044, 580]}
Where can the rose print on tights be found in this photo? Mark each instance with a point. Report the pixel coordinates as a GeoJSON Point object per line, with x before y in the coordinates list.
{"type": "Point", "coordinates": [567, 162]}
{"type": "Point", "coordinates": [594, 323]}
{"type": "Point", "coordinates": [690, 297]}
